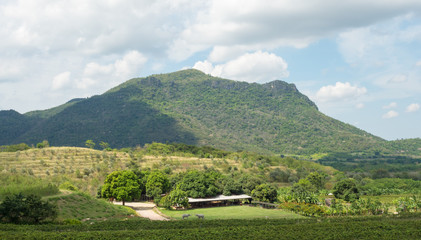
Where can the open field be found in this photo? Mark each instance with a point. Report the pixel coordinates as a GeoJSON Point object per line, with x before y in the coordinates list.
{"type": "Point", "coordinates": [402, 227]}
{"type": "Point", "coordinates": [233, 212]}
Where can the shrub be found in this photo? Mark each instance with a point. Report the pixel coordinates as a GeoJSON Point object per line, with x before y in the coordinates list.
{"type": "Point", "coordinates": [68, 186]}
{"type": "Point", "coordinates": [19, 208]}
{"type": "Point", "coordinates": [306, 209]}
{"type": "Point", "coordinates": [347, 190]}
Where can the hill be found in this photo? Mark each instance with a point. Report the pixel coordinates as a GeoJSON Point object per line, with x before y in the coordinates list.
{"type": "Point", "coordinates": [194, 108]}
{"type": "Point", "coordinates": [87, 169]}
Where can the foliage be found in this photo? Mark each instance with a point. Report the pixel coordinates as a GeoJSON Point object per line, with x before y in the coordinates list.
{"type": "Point", "coordinates": [12, 184]}
{"type": "Point", "coordinates": [157, 184]}
{"type": "Point", "coordinates": [265, 193]}
{"type": "Point", "coordinates": [346, 189]}
{"type": "Point", "coordinates": [121, 185]}
{"type": "Point", "coordinates": [177, 198]}
{"type": "Point", "coordinates": [321, 228]}
{"type": "Point", "coordinates": [14, 148]}
{"type": "Point", "coordinates": [408, 204]}
{"type": "Point", "coordinates": [43, 144]}
{"type": "Point", "coordinates": [317, 180]}
{"type": "Point", "coordinates": [90, 144]}
{"type": "Point", "coordinates": [200, 184]}
{"type": "Point", "coordinates": [303, 191]}
{"type": "Point", "coordinates": [389, 186]}
{"type": "Point", "coordinates": [19, 208]}
{"type": "Point", "coordinates": [375, 164]}
{"type": "Point", "coordinates": [68, 186]}
{"type": "Point", "coordinates": [305, 209]}
{"type": "Point", "coordinates": [185, 106]}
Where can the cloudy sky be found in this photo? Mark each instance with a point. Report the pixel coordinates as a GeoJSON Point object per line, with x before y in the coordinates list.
{"type": "Point", "coordinates": [359, 60]}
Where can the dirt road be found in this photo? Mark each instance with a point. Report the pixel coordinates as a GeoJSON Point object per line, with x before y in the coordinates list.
{"type": "Point", "coordinates": [145, 210]}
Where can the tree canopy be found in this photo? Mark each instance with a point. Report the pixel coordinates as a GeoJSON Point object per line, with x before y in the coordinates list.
{"type": "Point", "coordinates": [122, 185]}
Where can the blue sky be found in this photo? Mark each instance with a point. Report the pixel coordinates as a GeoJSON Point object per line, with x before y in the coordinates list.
{"type": "Point", "coordinates": [359, 61]}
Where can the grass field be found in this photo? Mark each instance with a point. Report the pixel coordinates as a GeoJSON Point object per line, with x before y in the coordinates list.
{"type": "Point", "coordinates": [232, 212]}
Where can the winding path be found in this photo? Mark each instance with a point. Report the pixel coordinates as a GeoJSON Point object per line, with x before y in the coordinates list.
{"type": "Point", "coordinates": [145, 210]}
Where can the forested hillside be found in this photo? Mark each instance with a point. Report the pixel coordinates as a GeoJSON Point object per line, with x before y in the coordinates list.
{"type": "Point", "coordinates": [194, 108]}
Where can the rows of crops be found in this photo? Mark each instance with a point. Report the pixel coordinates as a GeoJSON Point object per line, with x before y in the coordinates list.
{"type": "Point", "coordinates": [406, 227]}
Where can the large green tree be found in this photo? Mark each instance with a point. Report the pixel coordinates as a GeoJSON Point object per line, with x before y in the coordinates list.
{"type": "Point", "coordinates": [122, 185]}
{"type": "Point", "coordinates": [157, 184]}
{"type": "Point", "coordinates": [200, 184]}
{"type": "Point", "coordinates": [265, 193]}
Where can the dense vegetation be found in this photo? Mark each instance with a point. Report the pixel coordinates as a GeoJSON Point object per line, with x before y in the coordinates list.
{"type": "Point", "coordinates": [20, 208]}
{"type": "Point", "coordinates": [194, 108]}
{"type": "Point", "coordinates": [375, 165]}
{"type": "Point", "coordinates": [402, 227]}
{"type": "Point", "coordinates": [87, 169]}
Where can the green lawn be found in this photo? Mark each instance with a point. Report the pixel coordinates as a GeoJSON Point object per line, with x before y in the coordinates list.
{"type": "Point", "coordinates": [232, 212]}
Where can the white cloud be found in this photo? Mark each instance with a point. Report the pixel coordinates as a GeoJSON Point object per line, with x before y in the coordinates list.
{"type": "Point", "coordinates": [360, 106]}
{"type": "Point", "coordinates": [418, 64]}
{"type": "Point", "coordinates": [391, 114]}
{"type": "Point", "coordinates": [61, 80]}
{"type": "Point", "coordinates": [282, 23]}
{"type": "Point", "coordinates": [251, 67]}
{"type": "Point", "coordinates": [391, 105]}
{"type": "Point", "coordinates": [401, 78]}
{"type": "Point", "coordinates": [93, 69]}
{"type": "Point", "coordinates": [413, 107]}
{"type": "Point", "coordinates": [339, 92]}
{"type": "Point", "coordinates": [130, 65]}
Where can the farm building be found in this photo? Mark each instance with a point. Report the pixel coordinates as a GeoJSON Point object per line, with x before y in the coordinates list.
{"type": "Point", "coordinates": [218, 201]}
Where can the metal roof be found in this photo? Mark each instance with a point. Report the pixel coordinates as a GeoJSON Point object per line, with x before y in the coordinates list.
{"type": "Point", "coordinates": [219, 198]}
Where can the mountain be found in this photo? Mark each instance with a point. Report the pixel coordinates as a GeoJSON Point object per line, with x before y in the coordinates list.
{"type": "Point", "coordinates": [194, 108]}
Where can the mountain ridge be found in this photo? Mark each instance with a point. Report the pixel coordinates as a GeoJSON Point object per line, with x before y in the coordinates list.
{"type": "Point", "coordinates": [195, 108]}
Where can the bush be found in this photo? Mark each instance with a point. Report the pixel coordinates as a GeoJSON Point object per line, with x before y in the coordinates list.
{"type": "Point", "coordinates": [68, 186]}
{"type": "Point", "coordinates": [347, 190]}
{"type": "Point", "coordinates": [26, 209]}
{"type": "Point", "coordinates": [306, 209]}
{"type": "Point", "coordinates": [264, 193]}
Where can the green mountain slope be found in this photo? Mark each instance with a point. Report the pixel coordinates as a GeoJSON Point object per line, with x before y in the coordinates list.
{"type": "Point", "coordinates": [192, 107]}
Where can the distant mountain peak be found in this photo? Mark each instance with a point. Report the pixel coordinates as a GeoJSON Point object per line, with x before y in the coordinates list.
{"type": "Point", "coordinates": [192, 107]}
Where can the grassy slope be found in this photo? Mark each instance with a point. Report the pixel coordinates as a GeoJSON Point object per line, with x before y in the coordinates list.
{"type": "Point", "coordinates": [82, 206]}
{"type": "Point", "coordinates": [87, 168]}
{"type": "Point", "coordinates": [233, 212]}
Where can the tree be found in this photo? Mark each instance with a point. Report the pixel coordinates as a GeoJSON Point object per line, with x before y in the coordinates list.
{"type": "Point", "coordinates": [265, 193]}
{"type": "Point", "coordinates": [303, 191]}
{"type": "Point", "coordinates": [122, 185]}
{"type": "Point", "coordinates": [90, 144]}
{"type": "Point", "coordinates": [346, 189]}
{"type": "Point", "coordinates": [43, 144]}
{"type": "Point", "coordinates": [105, 145]}
{"type": "Point", "coordinates": [157, 184]}
{"type": "Point", "coordinates": [176, 198]}
{"type": "Point", "coordinates": [19, 208]}
{"type": "Point", "coordinates": [318, 180]}
{"type": "Point", "coordinates": [200, 184]}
